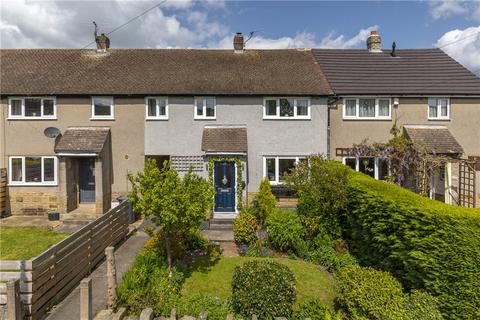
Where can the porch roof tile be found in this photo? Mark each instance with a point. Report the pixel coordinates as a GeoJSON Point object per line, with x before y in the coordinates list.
{"type": "Point", "coordinates": [82, 140]}
{"type": "Point", "coordinates": [436, 139]}
{"type": "Point", "coordinates": [225, 139]}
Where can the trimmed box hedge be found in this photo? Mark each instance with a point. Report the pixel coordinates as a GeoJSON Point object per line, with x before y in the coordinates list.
{"type": "Point", "coordinates": [426, 244]}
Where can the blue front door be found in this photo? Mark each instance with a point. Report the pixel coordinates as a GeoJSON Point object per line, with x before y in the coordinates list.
{"type": "Point", "coordinates": [224, 176]}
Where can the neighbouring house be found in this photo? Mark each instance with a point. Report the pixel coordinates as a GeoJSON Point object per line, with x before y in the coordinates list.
{"type": "Point", "coordinates": [76, 122]}
{"type": "Point", "coordinates": [428, 95]}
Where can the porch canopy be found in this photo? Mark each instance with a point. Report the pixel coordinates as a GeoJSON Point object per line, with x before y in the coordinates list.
{"type": "Point", "coordinates": [437, 140]}
{"type": "Point", "coordinates": [225, 140]}
{"type": "Point", "coordinates": [82, 141]}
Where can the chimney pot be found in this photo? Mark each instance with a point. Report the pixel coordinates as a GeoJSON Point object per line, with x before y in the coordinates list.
{"type": "Point", "coordinates": [103, 43]}
{"type": "Point", "coordinates": [374, 42]}
{"type": "Point", "coordinates": [238, 42]}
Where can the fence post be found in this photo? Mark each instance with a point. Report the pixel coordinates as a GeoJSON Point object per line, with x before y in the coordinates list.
{"type": "Point", "coordinates": [111, 278]}
{"type": "Point", "coordinates": [14, 304]}
{"type": "Point", "coordinates": [86, 299]}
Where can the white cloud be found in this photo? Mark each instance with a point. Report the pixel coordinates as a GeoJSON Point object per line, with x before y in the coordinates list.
{"type": "Point", "coordinates": [463, 46]}
{"type": "Point", "coordinates": [342, 42]}
{"type": "Point", "coordinates": [446, 8]}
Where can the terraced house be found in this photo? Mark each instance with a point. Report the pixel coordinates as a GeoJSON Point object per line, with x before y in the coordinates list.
{"type": "Point", "coordinates": [76, 122]}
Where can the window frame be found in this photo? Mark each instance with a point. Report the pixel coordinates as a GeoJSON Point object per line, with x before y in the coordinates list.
{"type": "Point", "coordinates": [42, 173]}
{"type": "Point", "coordinates": [24, 117]}
{"type": "Point", "coordinates": [357, 108]}
{"type": "Point", "coordinates": [357, 164]}
{"type": "Point", "coordinates": [295, 116]}
{"type": "Point", "coordinates": [112, 109]}
{"type": "Point", "coordinates": [277, 167]}
{"type": "Point", "coordinates": [439, 109]}
{"type": "Point", "coordinates": [204, 108]}
{"type": "Point", "coordinates": [157, 108]}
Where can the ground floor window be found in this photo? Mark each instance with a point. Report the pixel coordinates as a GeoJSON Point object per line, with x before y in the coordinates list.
{"type": "Point", "coordinates": [33, 170]}
{"type": "Point", "coordinates": [275, 168]}
{"type": "Point", "coordinates": [374, 167]}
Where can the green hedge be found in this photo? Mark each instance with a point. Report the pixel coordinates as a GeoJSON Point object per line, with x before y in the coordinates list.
{"type": "Point", "coordinates": [426, 244]}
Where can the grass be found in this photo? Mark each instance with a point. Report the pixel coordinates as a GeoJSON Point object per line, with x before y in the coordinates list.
{"type": "Point", "coordinates": [22, 243]}
{"type": "Point", "coordinates": [215, 278]}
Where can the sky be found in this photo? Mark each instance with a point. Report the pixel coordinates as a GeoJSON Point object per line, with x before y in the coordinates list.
{"type": "Point", "coordinates": [452, 25]}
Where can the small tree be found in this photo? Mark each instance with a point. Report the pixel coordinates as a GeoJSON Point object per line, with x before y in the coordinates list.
{"type": "Point", "coordinates": [264, 202]}
{"type": "Point", "coordinates": [172, 203]}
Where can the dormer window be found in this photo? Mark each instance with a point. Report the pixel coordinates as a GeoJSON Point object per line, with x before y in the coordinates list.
{"type": "Point", "coordinates": [32, 108]}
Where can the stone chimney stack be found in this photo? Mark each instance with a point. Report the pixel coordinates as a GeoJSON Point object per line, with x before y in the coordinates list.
{"type": "Point", "coordinates": [238, 43]}
{"type": "Point", "coordinates": [103, 43]}
{"type": "Point", "coordinates": [374, 42]}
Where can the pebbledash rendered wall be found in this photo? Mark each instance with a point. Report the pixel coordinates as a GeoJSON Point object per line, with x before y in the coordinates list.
{"type": "Point", "coordinates": [181, 134]}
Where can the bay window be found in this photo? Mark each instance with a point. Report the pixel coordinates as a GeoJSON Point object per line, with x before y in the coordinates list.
{"type": "Point", "coordinates": [33, 170]}
{"type": "Point", "coordinates": [31, 108]}
{"type": "Point", "coordinates": [286, 108]}
{"type": "Point", "coordinates": [276, 168]}
{"type": "Point", "coordinates": [367, 108]}
{"type": "Point", "coordinates": [438, 109]}
{"type": "Point", "coordinates": [157, 108]}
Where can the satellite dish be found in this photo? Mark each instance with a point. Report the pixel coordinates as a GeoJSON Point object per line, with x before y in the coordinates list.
{"type": "Point", "coordinates": [51, 132]}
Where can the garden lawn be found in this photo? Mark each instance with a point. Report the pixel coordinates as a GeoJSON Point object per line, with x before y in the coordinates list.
{"type": "Point", "coordinates": [215, 279]}
{"type": "Point", "coordinates": [22, 243]}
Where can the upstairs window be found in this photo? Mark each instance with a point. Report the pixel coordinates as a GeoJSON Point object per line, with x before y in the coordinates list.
{"type": "Point", "coordinates": [157, 108]}
{"type": "Point", "coordinates": [32, 108]}
{"type": "Point", "coordinates": [367, 108]}
{"type": "Point", "coordinates": [438, 109]}
{"type": "Point", "coordinates": [205, 108]}
{"type": "Point", "coordinates": [33, 170]}
{"type": "Point", "coordinates": [102, 108]}
{"type": "Point", "coordinates": [286, 108]}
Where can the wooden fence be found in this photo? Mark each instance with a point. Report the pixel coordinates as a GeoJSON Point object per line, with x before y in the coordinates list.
{"type": "Point", "coordinates": [48, 278]}
{"type": "Point", "coordinates": [3, 191]}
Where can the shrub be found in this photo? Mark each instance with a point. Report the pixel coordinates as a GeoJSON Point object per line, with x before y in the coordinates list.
{"type": "Point", "coordinates": [245, 228]}
{"type": "Point", "coordinates": [315, 310]}
{"type": "Point", "coordinates": [326, 256]}
{"type": "Point", "coordinates": [147, 284]}
{"type": "Point", "coordinates": [421, 305]}
{"type": "Point", "coordinates": [265, 288]}
{"type": "Point", "coordinates": [285, 232]}
{"type": "Point", "coordinates": [322, 196]}
{"type": "Point", "coordinates": [182, 241]}
{"type": "Point", "coordinates": [366, 293]}
{"type": "Point", "coordinates": [426, 244]}
{"type": "Point", "coordinates": [193, 305]}
{"type": "Point", "coordinates": [264, 202]}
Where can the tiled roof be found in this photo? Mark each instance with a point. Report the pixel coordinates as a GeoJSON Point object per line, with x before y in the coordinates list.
{"type": "Point", "coordinates": [224, 139]}
{"type": "Point", "coordinates": [160, 71]}
{"type": "Point", "coordinates": [411, 71]}
{"type": "Point", "coordinates": [82, 140]}
{"type": "Point", "coordinates": [436, 139]}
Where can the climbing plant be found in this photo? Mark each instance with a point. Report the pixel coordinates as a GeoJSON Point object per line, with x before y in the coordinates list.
{"type": "Point", "coordinates": [239, 182]}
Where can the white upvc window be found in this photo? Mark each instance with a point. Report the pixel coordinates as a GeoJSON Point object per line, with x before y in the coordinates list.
{"type": "Point", "coordinates": [276, 167]}
{"type": "Point", "coordinates": [33, 170]}
{"type": "Point", "coordinates": [32, 108]}
{"type": "Point", "coordinates": [367, 108]}
{"type": "Point", "coordinates": [102, 108]}
{"type": "Point", "coordinates": [205, 108]}
{"type": "Point", "coordinates": [372, 166]}
{"type": "Point", "coordinates": [286, 108]}
{"type": "Point", "coordinates": [438, 109]}
{"type": "Point", "coordinates": [156, 108]}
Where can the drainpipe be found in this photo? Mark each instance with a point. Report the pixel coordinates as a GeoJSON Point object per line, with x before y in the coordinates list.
{"type": "Point", "coordinates": [330, 101]}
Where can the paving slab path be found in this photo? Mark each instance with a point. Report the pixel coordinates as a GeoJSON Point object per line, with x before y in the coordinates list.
{"type": "Point", "coordinates": [69, 308]}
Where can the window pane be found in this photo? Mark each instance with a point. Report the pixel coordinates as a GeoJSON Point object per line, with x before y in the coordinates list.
{"type": "Point", "coordinates": [383, 108]}
{"type": "Point", "coordinates": [210, 102]}
{"type": "Point", "coordinates": [285, 166]}
{"type": "Point", "coordinates": [286, 107]}
{"type": "Point", "coordinates": [47, 107]}
{"type": "Point", "coordinates": [367, 165]}
{"type": "Point", "coordinates": [443, 107]}
{"type": "Point", "coordinates": [302, 107]}
{"type": "Point", "coordinates": [350, 108]}
{"type": "Point", "coordinates": [351, 162]}
{"type": "Point", "coordinates": [33, 107]}
{"type": "Point", "coordinates": [367, 108]}
{"type": "Point", "coordinates": [432, 111]}
{"type": "Point", "coordinates": [152, 108]}
{"type": "Point", "coordinates": [382, 169]}
{"type": "Point", "coordinates": [17, 169]}
{"type": "Point", "coordinates": [199, 107]}
{"type": "Point", "coordinates": [102, 107]}
{"type": "Point", "coordinates": [33, 169]}
{"type": "Point", "coordinates": [162, 107]}
{"type": "Point", "coordinates": [16, 107]}
{"type": "Point", "coordinates": [271, 169]}
{"type": "Point", "coordinates": [48, 169]}
{"type": "Point", "coordinates": [271, 107]}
